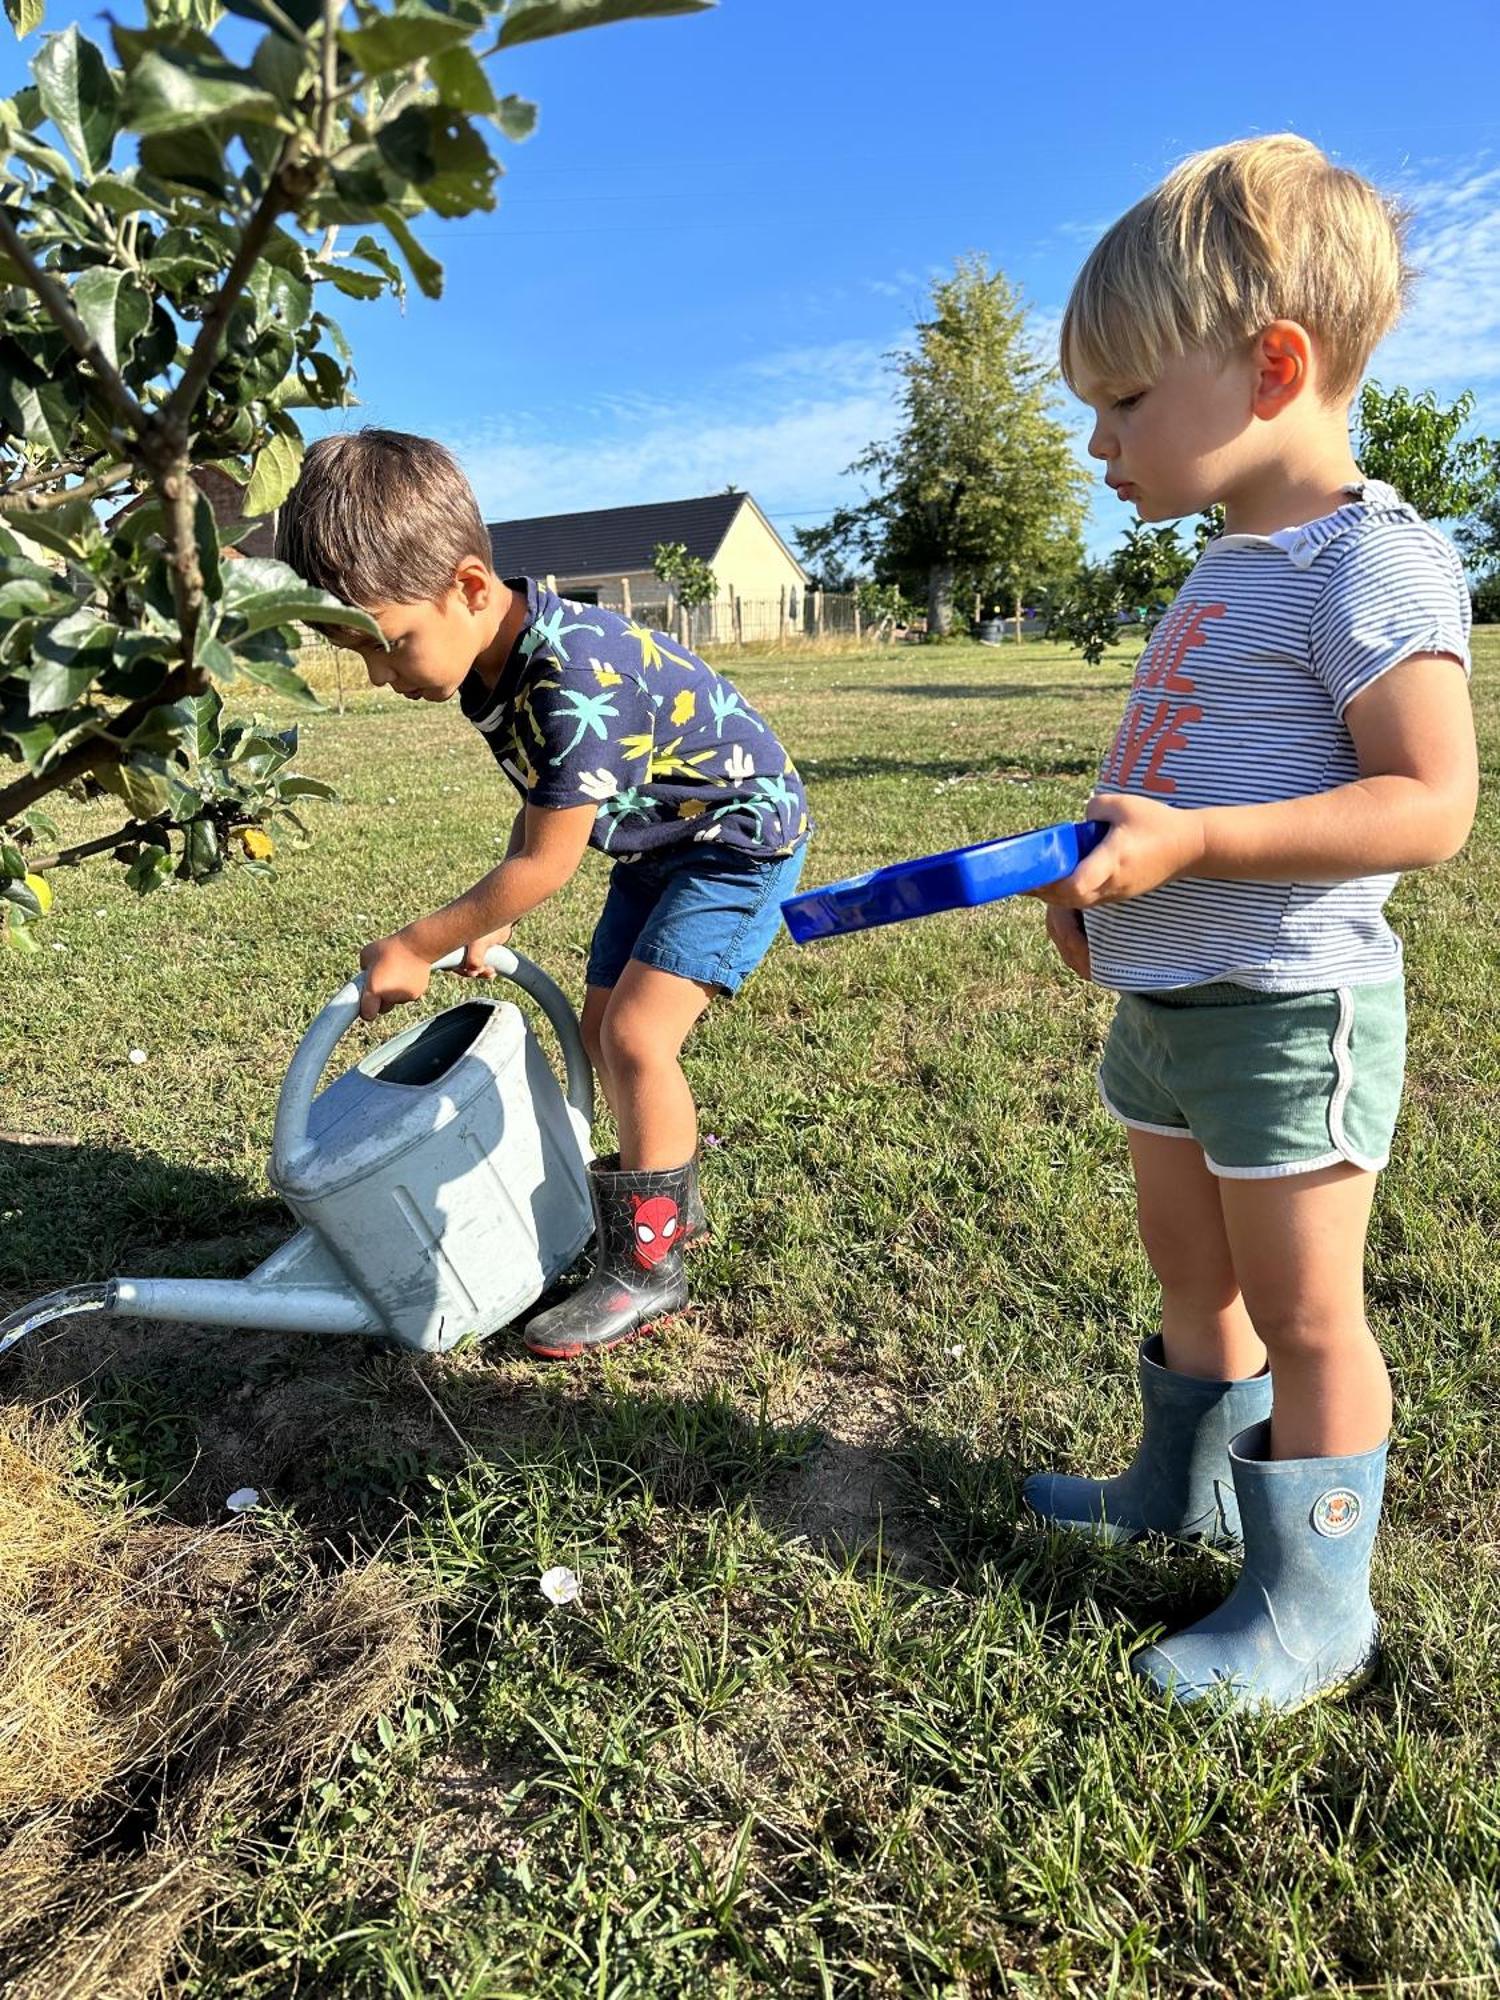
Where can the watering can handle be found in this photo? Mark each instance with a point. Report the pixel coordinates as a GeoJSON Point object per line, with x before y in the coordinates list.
{"type": "Point", "coordinates": [328, 1029]}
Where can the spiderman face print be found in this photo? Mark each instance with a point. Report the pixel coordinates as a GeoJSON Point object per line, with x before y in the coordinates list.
{"type": "Point", "coordinates": [655, 1228]}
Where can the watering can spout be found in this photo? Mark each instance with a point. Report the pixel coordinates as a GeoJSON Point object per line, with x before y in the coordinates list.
{"type": "Point", "coordinates": [298, 1289]}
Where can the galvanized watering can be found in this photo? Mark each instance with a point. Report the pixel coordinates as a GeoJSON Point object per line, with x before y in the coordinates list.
{"type": "Point", "coordinates": [441, 1183]}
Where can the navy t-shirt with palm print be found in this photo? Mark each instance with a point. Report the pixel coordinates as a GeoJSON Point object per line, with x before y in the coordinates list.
{"type": "Point", "coordinates": [593, 707]}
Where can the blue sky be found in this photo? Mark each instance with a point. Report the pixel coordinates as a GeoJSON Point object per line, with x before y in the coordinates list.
{"type": "Point", "coordinates": [724, 221]}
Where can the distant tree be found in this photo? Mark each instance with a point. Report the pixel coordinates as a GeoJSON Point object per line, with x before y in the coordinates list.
{"type": "Point", "coordinates": [1413, 443]}
{"type": "Point", "coordinates": [690, 577]}
{"type": "Point", "coordinates": [1479, 535]}
{"type": "Point", "coordinates": [979, 488]}
{"type": "Point", "coordinates": [1092, 607]}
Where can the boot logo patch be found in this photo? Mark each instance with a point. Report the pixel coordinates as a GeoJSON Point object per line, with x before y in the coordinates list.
{"type": "Point", "coordinates": [1336, 1512]}
{"type": "Point", "coordinates": [655, 1228]}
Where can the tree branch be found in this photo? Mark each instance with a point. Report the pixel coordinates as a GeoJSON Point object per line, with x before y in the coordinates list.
{"type": "Point", "coordinates": [55, 298]}
{"type": "Point", "coordinates": [89, 490]}
{"type": "Point", "coordinates": [94, 752]}
{"type": "Point", "coordinates": [69, 857]}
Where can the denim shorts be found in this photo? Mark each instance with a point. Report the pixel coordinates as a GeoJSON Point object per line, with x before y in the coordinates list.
{"type": "Point", "coordinates": [1269, 1084]}
{"type": "Point", "coordinates": [705, 913]}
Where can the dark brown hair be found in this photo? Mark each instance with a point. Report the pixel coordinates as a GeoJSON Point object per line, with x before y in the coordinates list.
{"type": "Point", "coordinates": [380, 517]}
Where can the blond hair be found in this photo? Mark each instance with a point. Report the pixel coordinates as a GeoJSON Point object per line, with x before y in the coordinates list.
{"type": "Point", "coordinates": [1259, 230]}
{"type": "Point", "coordinates": [380, 517]}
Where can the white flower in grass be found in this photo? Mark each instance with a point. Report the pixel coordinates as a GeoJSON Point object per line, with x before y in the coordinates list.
{"type": "Point", "coordinates": [242, 1500]}
{"type": "Point", "coordinates": [739, 765]}
{"type": "Point", "coordinates": [560, 1585]}
{"type": "Point", "coordinates": [598, 784]}
{"type": "Point", "coordinates": [137, 1056]}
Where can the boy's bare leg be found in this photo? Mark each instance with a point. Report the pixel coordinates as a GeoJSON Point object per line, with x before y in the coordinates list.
{"type": "Point", "coordinates": [644, 1024]}
{"type": "Point", "coordinates": [1299, 1247]}
{"type": "Point", "coordinates": [1205, 1326]}
{"type": "Point", "coordinates": [591, 1025]}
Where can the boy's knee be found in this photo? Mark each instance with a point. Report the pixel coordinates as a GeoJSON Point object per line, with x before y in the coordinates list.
{"type": "Point", "coordinates": [627, 1042]}
{"type": "Point", "coordinates": [1304, 1329]}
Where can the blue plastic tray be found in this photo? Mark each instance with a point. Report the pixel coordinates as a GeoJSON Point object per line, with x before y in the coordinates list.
{"type": "Point", "coordinates": [952, 881]}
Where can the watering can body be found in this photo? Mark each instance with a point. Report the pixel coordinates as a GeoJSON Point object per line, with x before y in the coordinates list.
{"type": "Point", "coordinates": [442, 1181]}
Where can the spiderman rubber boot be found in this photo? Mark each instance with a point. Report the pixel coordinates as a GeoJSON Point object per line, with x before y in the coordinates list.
{"type": "Point", "coordinates": [637, 1275]}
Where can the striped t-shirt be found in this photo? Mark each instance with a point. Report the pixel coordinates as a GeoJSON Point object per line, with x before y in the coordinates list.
{"type": "Point", "coordinates": [1239, 700]}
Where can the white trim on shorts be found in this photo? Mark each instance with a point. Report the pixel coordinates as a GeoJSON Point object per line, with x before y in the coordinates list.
{"type": "Point", "coordinates": [1344, 1156]}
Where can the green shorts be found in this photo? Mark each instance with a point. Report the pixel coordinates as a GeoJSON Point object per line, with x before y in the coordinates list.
{"type": "Point", "coordinates": [1268, 1084]}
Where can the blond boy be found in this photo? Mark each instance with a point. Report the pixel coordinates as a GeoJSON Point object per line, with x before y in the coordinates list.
{"type": "Point", "coordinates": [1298, 733]}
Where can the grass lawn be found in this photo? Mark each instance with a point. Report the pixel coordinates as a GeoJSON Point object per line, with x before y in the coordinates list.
{"type": "Point", "coordinates": [829, 1717]}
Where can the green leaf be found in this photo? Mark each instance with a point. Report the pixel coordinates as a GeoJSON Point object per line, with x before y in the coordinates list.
{"type": "Point", "coordinates": [22, 897]}
{"type": "Point", "coordinates": [204, 711]}
{"type": "Point", "coordinates": [301, 13]}
{"type": "Point", "coordinates": [192, 158]}
{"type": "Point", "coordinates": [176, 90]}
{"type": "Point", "coordinates": [44, 413]}
{"type": "Point", "coordinates": [70, 530]}
{"type": "Point", "coordinates": [426, 269]}
{"type": "Point", "coordinates": [116, 309]}
{"type": "Point", "coordinates": [23, 594]}
{"type": "Point", "coordinates": [516, 117]}
{"type": "Point", "coordinates": [275, 474]}
{"type": "Point", "coordinates": [24, 15]}
{"type": "Point", "coordinates": [12, 862]}
{"type": "Point", "coordinates": [394, 41]}
{"type": "Point", "coordinates": [68, 656]}
{"type": "Point", "coordinates": [151, 868]}
{"type": "Point", "coordinates": [203, 856]}
{"type": "Point", "coordinates": [304, 788]}
{"type": "Point", "coordinates": [281, 680]}
{"type": "Point", "coordinates": [80, 96]}
{"type": "Point", "coordinates": [459, 79]}
{"type": "Point", "coordinates": [141, 783]}
{"type": "Point", "coordinates": [265, 593]}
{"type": "Point", "coordinates": [532, 20]}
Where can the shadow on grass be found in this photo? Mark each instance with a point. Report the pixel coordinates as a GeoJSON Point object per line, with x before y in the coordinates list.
{"type": "Point", "coordinates": [833, 770]}
{"type": "Point", "coordinates": [982, 690]}
{"type": "Point", "coordinates": [357, 1438]}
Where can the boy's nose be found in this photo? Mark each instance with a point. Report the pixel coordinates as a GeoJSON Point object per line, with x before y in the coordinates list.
{"type": "Point", "coordinates": [1100, 444]}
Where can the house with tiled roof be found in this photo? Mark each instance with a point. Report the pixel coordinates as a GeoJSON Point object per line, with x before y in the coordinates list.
{"type": "Point", "coordinates": [604, 556]}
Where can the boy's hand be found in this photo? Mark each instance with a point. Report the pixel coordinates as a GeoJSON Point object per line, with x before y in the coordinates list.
{"type": "Point", "coordinates": [474, 966]}
{"type": "Point", "coordinates": [1065, 928]}
{"type": "Point", "coordinates": [1148, 843]}
{"type": "Point", "coordinates": [394, 973]}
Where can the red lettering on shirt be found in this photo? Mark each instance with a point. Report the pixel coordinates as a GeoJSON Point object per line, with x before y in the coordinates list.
{"type": "Point", "coordinates": [1173, 737]}
{"type": "Point", "coordinates": [1179, 633]}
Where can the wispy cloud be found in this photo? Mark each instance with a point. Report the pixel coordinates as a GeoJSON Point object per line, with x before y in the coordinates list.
{"type": "Point", "coordinates": [784, 426]}
{"type": "Point", "coordinates": [1450, 337]}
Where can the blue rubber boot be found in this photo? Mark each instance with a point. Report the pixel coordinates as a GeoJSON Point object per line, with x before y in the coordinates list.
{"type": "Point", "coordinates": [1179, 1482]}
{"type": "Point", "coordinates": [1299, 1625]}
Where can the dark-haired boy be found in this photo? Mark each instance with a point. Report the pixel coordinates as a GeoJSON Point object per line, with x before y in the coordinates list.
{"type": "Point", "coordinates": [616, 738]}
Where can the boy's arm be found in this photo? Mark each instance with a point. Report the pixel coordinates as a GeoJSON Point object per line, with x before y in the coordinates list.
{"type": "Point", "coordinates": [1411, 806]}
{"type": "Point", "coordinates": [397, 968]}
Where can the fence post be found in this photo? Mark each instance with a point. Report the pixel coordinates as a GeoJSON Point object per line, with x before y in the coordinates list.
{"type": "Point", "coordinates": [858, 632]}
{"type": "Point", "coordinates": [625, 596]}
{"type": "Point", "coordinates": [781, 619]}
{"type": "Point", "coordinates": [739, 620]}
{"type": "Point", "coordinates": [817, 614]}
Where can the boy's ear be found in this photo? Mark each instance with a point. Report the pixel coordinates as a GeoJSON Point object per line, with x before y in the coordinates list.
{"type": "Point", "coordinates": [1283, 367]}
{"type": "Point", "coordinates": [476, 580]}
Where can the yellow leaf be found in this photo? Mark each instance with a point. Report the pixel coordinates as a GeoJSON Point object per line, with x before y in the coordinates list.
{"type": "Point", "coordinates": [41, 888]}
{"type": "Point", "coordinates": [685, 706]}
{"type": "Point", "coordinates": [258, 844]}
